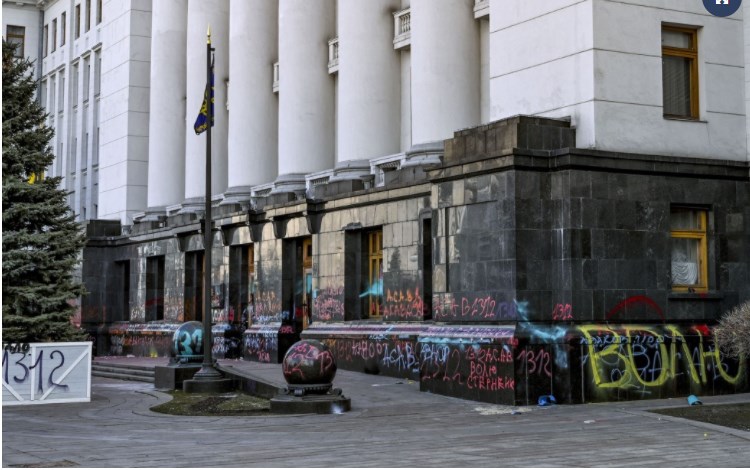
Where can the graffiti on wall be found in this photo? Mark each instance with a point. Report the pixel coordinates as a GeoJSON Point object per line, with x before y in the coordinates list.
{"type": "Point", "coordinates": [390, 356]}
{"type": "Point", "coordinates": [262, 344]}
{"type": "Point", "coordinates": [403, 304]}
{"type": "Point", "coordinates": [328, 304]}
{"type": "Point", "coordinates": [267, 307]}
{"type": "Point", "coordinates": [470, 307]}
{"type": "Point", "coordinates": [139, 345]}
{"type": "Point", "coordinates": [479, 371]}
{"type": "Point", "coordinates": [646, 358]}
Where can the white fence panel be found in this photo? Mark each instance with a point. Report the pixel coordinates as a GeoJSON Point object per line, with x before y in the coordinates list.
{"type": "Point", "coordinates": [36, 373]}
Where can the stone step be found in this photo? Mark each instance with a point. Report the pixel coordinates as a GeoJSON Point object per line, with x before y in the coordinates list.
{"type": "Point", "coordinates": [114, 375]}
{"type": "Point", "coordinates": [123, 370]}
{"type": "Point", "coordinates": [96, 363]}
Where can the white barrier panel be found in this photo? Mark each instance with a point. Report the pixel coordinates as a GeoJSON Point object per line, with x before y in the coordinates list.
{"type": "Point", "coordinates": [36, 373]}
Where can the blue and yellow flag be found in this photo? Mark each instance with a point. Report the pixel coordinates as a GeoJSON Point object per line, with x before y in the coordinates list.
{"type": "Point", "coordinates": [201, 123]}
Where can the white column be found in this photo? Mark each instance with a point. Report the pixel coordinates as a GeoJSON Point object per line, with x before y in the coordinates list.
{"type": "Point", "coordinates": [306, 91]}
{"type": "Point", "coordinates": [253, 107]}
{"type": "Point", "coordinates": [445, 68]}
{"type": "Point", "coordinates": [201, 15]}
{"type": "Point", "coordinates": [166, 149]}
{"type": "Point", "coordinates": [369, 80]}
{"type": "Point", "coordinates": [746, 25]}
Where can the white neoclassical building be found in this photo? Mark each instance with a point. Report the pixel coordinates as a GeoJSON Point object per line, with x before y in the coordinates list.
{"type": "Point", "coordinates": [497, 198]}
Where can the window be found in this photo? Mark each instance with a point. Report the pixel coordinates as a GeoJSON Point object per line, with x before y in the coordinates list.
{"type": "Point", "coordinates": [61, 94]}
{"type": "Point", "coordinates": [78, 21]}
{"type": "Point", "coordinates": [680, 72]}
{"type": "Point", "coordinates": [375, 273]}
{"type": "Point", "coordinates": [154, 288]}
{"type": "Point", "coordinates": [54, 35]}
{"type": "Point", "coordinates": [88, 15]}
{"type": "Point", "coordinates": [98, 11]}
{"type": "Point", "coordinates": [86, 78]}
{"type": "Point", "coordinates": [689, 249]}
{"type": "Point", "coordinates": [16, 35]}
{"type": "Point", "coordinates": [74, 86]}
{"type": "Point", "coordinates": [63, 21]}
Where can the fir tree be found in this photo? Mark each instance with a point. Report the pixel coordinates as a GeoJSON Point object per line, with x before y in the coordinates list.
{"type": "Point", "coordinates": [41, 240]}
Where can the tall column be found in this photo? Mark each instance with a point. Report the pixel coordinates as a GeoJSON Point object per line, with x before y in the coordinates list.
{"type": "Point", "coordinates": [445, 69]}
{"type": "Point", "coordinates": [306, 91]}
{"type": "Point", "coordinates": [369, 82]}
{"type": "Point", "coordinates": [166, 149]}
{"type": "Point", "coordinates": [253, 107]}
{"type": "Point", "coordinates": [202, 14]}
{"type": "Point", "coordinates": [746, 26]}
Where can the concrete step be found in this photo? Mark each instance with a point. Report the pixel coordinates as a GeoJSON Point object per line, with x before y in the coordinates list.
{"type": "Point", "coordinates": [114, 375]}
{"type": "Point", "coordinates": [122, 370]}
{"type": "Point", "coordinates": [96, 363]}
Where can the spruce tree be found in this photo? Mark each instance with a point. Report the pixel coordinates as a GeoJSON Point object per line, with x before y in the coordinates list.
{"type": "Point", "coordinates": [41, 240]}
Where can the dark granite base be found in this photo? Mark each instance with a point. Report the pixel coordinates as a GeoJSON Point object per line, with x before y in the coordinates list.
{"type": "Point", "coordinates": [310, 404]}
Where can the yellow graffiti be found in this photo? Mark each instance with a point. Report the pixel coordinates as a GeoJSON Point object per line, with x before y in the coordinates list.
{"type": "Point", "coordinates": [610, 350]}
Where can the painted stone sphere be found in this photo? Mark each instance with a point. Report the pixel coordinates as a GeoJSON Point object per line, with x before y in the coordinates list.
{"type": "Point", "coordinates": [187, 342]}
{"type": "Point", "coordinates": [309, 362]}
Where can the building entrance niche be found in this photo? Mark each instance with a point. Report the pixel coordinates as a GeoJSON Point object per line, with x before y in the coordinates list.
{"type": "Point", "coordinates": [241, 285]}
{"type": "Point", "coordinates": [296, 285]}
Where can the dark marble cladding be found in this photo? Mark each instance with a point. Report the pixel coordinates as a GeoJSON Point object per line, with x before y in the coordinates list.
{"type": "Point", "coordinates": [501, 137]}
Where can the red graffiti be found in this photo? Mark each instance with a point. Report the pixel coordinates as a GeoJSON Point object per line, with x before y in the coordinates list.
{"type": "Point", "coordinates": [562, 312]}
{"type": "Point", "coordinates": [637, 299]}
{"type": "Point", "coordinates": [403, 304]}
{"type": "Point", "coordinates": [302, 356]}
{"type": "Point", "coordinates": [329, 304]}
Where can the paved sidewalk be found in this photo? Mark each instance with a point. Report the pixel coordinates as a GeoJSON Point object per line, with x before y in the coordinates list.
{"type": "Point", "coordinates": [391, 424]}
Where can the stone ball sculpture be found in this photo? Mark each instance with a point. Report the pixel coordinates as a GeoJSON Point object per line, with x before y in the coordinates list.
{"type": "Point", "coordinates": [309, 362]}
{"type": "Point", "coordinates": [187, 342]}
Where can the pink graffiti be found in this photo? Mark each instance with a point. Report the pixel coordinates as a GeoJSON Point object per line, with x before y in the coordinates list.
{"type": "Point", "coordinates": [328, 305]}
{"type": "Point", "coordinates": [562, 312]}
{"type": "Point", "coordinates": [403, 304]}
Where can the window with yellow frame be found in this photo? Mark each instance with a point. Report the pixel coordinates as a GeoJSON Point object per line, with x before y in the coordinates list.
{"type": "Point", "coordinates": [689, 249]}
{"type": "Point", "coordinates": [679, 46]}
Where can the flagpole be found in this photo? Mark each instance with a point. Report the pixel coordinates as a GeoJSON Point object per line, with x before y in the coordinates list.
{"type": "Point", "coordinates": [207, 371]}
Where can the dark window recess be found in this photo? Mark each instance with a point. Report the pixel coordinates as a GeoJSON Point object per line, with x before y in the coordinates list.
{"type": "Point", "coordinates": [155, 288]}
{"type": "Point", "coordinates": [427, 268]}
{"type": "Point", "coordinates": [241, 279]}
{"type": "Point", "coordinates": [194, 286]}
{"type": "Point", "coordinates": [122, 276]}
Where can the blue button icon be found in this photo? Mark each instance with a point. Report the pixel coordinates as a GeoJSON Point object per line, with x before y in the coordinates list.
{"type": "Point", "coordinates": [722, 7]}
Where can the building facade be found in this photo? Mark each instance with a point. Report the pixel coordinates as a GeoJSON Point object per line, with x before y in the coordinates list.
{"type": "Point", "coordinates": [500, 199]}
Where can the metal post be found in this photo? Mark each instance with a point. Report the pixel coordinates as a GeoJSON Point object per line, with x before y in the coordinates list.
{"type": "Point", "coordinates": [208, 372]}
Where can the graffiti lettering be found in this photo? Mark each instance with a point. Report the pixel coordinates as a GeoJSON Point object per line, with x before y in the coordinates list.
{"type": "Point", "coordinates": [536, 362]}
{"type": "Point", "coordinates": [329, 304]}
{"type": "Point", "coordinates": [449, 307]}
{"type": "Point", "coordinates": [642, 358]}
{"type": "Point", "coordinates": [267, 307]}
{"type": "Point", "coordinates": [403, 305]}
{"type": "Point", "coordinates": [27, 370]}
{"type": "Point", "coordinates": [302, 355]}
{"type": "Point", "coordinates": [562, 312]}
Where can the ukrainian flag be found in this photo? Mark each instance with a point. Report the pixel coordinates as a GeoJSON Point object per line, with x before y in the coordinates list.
{"type": "Point", "coordinates": [201, 123]}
